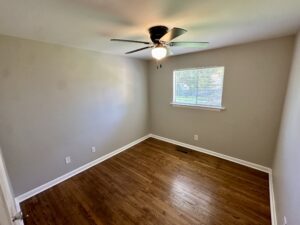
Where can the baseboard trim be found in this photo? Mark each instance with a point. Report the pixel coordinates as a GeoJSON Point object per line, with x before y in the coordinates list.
{"type": "Point", "coordinates": [272, 200]}
{"type": "Point", "coordinates": [68, 175]}
{"type": "Point", "coordinates": [18, 208]}
{"type": "Point", "coordinates": [216, 154]}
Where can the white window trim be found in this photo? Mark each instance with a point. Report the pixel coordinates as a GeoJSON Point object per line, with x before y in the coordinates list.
{"type": "Point", "coordinates": [204, 107]}
{"type": "Point", "coordinates": [197, 106]}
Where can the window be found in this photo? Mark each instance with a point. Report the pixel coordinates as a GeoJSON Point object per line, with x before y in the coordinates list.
{"type": "Point", "coordinates": [200, 87]}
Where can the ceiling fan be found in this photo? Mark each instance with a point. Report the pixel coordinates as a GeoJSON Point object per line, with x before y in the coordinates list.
{"type": "Point", "coordinates": [161, 38]}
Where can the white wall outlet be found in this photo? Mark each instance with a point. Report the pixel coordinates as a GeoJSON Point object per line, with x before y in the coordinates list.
{"type": "Point", "coordinates": [68, 159]}
{"type": "Point", "coordinates": [285, 220]}
{"type": "Point", "coordinates": [196, 137]}
{"type": "Point", "coordinates": [93, 149]}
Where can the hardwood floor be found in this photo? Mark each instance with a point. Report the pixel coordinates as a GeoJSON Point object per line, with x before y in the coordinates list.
{"type": "Point", "coordinates": [154, 184]}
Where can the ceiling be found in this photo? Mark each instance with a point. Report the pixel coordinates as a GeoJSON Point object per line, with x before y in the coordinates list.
{"type": "Point", "coordinates": [89, 24]}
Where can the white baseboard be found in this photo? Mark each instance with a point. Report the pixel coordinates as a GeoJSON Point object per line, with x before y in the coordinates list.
{"type": "Point", "coordinates": [216, 154]}
{"type": "Point", "coordinates": [272, 200]}
{"type": "Point", "coordinates": [66, 176]}
{"type": "Point", "coordinates": [60, 179]}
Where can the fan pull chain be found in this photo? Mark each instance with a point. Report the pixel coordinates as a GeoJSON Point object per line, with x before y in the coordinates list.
{"type": "Point", "coordinates": [158, 65]}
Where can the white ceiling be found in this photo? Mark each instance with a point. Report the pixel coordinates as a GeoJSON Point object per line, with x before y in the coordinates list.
{"type": "Point", "coordinates": [89, 24]}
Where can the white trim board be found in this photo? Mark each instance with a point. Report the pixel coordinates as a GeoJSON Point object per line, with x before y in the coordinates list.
{"type": "Point", "coordinates": [272, 200]}
{"type": "Point", "coordinates": [7, 193]}
{"type": "Point", "coordinates": [216, 154]}
{"type": "Point", "coordinates": [60, 179]}
{"type": "Point", "coordinates": [72, 173]}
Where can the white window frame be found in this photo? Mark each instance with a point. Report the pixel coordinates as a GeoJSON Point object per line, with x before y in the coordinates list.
{"type": "Point", "coordinates": [197, 106]}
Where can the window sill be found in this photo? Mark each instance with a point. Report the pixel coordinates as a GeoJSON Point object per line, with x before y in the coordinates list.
{"type": "Point", "coordinates": [204, 107]}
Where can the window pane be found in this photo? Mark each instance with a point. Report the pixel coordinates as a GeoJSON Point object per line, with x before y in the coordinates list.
{"type": "Point", "coordinates": [202, 86]}
{"type": "Point", "coordinates": [186, 87]}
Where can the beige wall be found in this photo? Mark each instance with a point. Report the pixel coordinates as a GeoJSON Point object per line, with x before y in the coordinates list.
{"type": "Point", "coordinates": [286, 167]}
{"type": "Point", "coordinates": [254, 88]}
{"type": "Point", "coordinates": [58, 101]}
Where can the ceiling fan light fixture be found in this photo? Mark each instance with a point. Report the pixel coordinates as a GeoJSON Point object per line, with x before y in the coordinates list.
{"type": "Point", "coordinates": [161, 40]}
{"type": "Point", "coordinates": [159, 52]}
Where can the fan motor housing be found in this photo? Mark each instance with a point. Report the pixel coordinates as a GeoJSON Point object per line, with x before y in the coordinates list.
{"type": "Point", "coordinates": [157, 32]}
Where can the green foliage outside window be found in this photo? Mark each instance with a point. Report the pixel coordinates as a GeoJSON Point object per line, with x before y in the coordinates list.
{"type": "Point", "coordinates": [203, 86]}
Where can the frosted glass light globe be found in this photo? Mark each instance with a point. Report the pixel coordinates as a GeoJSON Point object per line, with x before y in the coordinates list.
{"type": "Point", "coordinates": [159, 52]}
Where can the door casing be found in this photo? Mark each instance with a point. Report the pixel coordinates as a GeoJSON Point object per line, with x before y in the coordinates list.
{"type": "Point", "coordinates": [7, 202]}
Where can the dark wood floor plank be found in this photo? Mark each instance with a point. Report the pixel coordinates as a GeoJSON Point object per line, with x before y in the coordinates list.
{"type": "Point", "coordinates": [152, 183]}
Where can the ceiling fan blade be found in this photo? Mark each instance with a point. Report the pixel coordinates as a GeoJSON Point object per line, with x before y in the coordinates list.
{"type": "Point", "coordinates": [189, 44]}
{"type": "Point", "coordinates": [169, 50]}
{"type": "Point", "coordinates": [137, 50]}
{"type": "Point", "coordinates": [172, 34]}
{"type": "Point", "coordinates": [132, 41]}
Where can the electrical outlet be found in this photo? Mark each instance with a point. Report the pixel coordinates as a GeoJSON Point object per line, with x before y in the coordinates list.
{"type": "Point", "coordinates": [196, 137]}
{"type": "Point", "coordinates": [285, 220]}
{"type": "Point", "coordinates": [93, 149]}
{"type": "Point", "coordinates": [68, 159]}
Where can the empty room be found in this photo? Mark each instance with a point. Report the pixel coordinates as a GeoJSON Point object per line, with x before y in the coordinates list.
{"type": "Point", "coordinates": [160, 112]}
